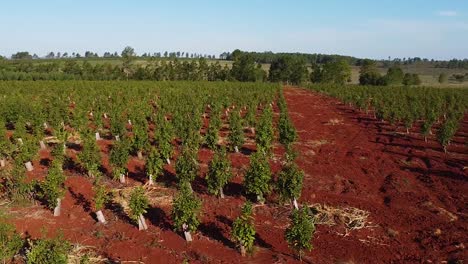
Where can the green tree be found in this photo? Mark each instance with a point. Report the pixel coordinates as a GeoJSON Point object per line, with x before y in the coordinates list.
{"type": "Point", "coordinates": [154, 165]}
{"type": "Point", "coordinates": [138, 204]}
{"type": "Point", "coordinates": [53, 251]}
{"type": "Point", "coordinates": [244, 68]}
{"type": "Point", "coordinates": [443, 78]}
{"type": "Point", "coordinates": [243, 229]}
{"type": "Point", "coordinates": [211, 138]}
{"type": "Point", "coordinates": [10, 241]}
{"type": "Point", "coordinates": [101, 197]}
{"type": "Point", "coordinates": [219, 172]}
{"type": "Point", "coordinates": [236, 135]}
{"type": "Point", "coordinates": [301, 230]}
{"type": "Point", "coordinates": [163, 136]}
{"type": "Point", "coordinates": [264, 135]}
{"type": "Point", "coordinates": [128, 55]}
{"type": "Point", "coordinates": [90, 156]}
{"type": "Point", "coordinates": [187, 166]}
{"type": "Point", "coordinates": [258, 176]}
{"type": "Point", "coordinates": [118, 159]}
{"type": "Point", "coordinates": [336, 72]}
{"type": "Point", "coordinates": [140, 139]}
{"type": "Point", "coordinates": [446, 132]}
{"type": "Point", "coordinates": [289, 183]}
{"type": "Point", "coordinates": [394, 76]}
{"type": "Point", "coordinates": [369, 74]}
{"type": "Point", "coordinates": [287, 131]}
{"type": "Point", "coordinates": [53, 188]}
{"type": "Point", "coordinates": [186, 211]}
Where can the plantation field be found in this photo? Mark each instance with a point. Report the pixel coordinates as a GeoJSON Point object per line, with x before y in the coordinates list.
{"type": "Point", "coordinates": [382, 169]}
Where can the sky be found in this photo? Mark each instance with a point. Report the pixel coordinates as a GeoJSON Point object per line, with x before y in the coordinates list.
{"type": "Point", "coordinates": [376, 29]}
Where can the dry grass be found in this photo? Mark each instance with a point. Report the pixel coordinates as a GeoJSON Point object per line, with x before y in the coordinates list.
{"type": "Point", "coordinates": [84, 254]}
{"type": "Point", "coordinates": [350, 218]}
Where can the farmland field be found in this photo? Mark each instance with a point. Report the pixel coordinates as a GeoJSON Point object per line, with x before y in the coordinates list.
{"type": "Point", "coordinates": [377, 183]}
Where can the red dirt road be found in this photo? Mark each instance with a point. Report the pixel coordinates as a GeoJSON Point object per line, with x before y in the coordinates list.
{"type": "Point", "coordinates": [415, 194]}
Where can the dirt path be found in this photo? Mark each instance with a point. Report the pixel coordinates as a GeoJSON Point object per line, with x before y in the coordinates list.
{"type": "Point", "coordinates": [416, 195]}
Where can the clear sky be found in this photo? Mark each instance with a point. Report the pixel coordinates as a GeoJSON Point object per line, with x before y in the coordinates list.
{"type": "Point", "coordinates": [362, 28]}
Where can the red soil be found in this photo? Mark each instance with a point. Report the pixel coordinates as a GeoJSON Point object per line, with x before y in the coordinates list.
{"type": "Point", "coordinates": [412, 190]}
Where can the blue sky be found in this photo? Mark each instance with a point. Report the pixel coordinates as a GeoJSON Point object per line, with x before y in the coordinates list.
{"type": "Point", "coordinates": [363, 28]}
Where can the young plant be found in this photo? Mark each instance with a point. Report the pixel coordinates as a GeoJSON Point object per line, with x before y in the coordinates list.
{"type": "Point", "coordinates": [163, 136]}
{"type": "Point", "coordinates": [301, 230]}
{"type": "Point", "coordinates": [100, 199]}
{"type": "Point", "coordinates": [90, 156]}
{"type": "Point", "coordinates": [53, 188]}
{"type": "Point", "coordinates": [49, 251]}
{"type": "Point", "coordinates": [243, 230]}
{"type": "Point", "coordinates": [211, 138]}
{"type": "Point", "coordinates": [446, 133]}
{"type": "Point", "coordinates": [140, 139]}
{"type": "Point", "coordinates": [219, 172]}
{"type": "Point", "coordinates": [187, 166]}
{"type": "Point", "coordinates": [18, 189]}
{"type": "Point", "coordinates": [6, 147]}
{"type": "Point", "coordinates": [118, 159]}
{"type": "Point", "coordinates": [287, 131]}
{"type": "Point", "coordinates": [10, 241]}
{"type": "Point", "coordinates": [186, 210]}
{"type": "Point", "coordinates": [236, 135]}
{"type": "Point", "coordinates": [27, 152]}
{"type": "Point", "coordinates": [265, 133]}
{"type": "Point", "coordinates": [154, 165]}
{"type": "Point", "coordinates": [290, 183]}
{"type": "Point", "coordinates": [258, 177]}
{"type": "Point", "coordinates": [138, 205]}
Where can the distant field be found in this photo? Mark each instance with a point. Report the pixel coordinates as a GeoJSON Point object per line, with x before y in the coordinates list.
{"type": "Point", "coordinates": [428, 74]}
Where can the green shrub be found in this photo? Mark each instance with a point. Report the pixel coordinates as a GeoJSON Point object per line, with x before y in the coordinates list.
{"type": "Point", "coordinates": [243, 229]}
{"type": "Point", "coordinates": [138, 203]}
{"type": "Point", "coordinates": [299, 234]}
{"type": "Point", "coordinates": [49, 251]}
{"type": "Point", "coordinates": [10, 241]}
{"type": "Point", "coordinates": [258, 177]}
{"type": "Point", "coordinates": [186, 209]}
{"type": "Point", "coordinates": [219, 172]}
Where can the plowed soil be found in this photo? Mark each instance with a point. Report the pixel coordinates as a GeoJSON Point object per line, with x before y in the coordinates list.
{"type": "Point", "coordinates": [414, 193]}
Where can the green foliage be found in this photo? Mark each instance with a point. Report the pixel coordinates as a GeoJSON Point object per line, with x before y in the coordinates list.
{"type": "Point", "coordinates": [119, 157]}
{"type": "Point", "coordinates": [264, 135]}
{"type": "Point", "coordinates": [154, 163]}
{"type": "Point", "coordinates": [140, 139]}
{"type": "Point", "coordinates": [243, 228]}
{"type": "Point", "coordinates": [17, 188]}
{"type": "Point", "coordinates": [101, 196]}
{"type": "Point", "coordinates": [211, 138]}
{"type": "Point", "coordinates": [336, 72]}
{"type": "Point", "coordinates": [187, 166]}
{"type": "Point", "coordinates": [186, 209]}
{"type": "Point", "coordinates": [49, 251]}
{"type": "Point", "coordinates": [90, 156]}
{"type": "Point", "coordinates": [6, 147]}
{"type": "Point", "coordinates": [394, 76]}
{"type": "Point", "coordinates": [442, 78]}
{"type": "Point", "coordinates": [411, 79]}
{"type": "Point", "coordinates": [219, 172]}
{"type": "Point", "coordinates": [53, 187]}
{"type": "Point", "coordinates": [236, 135]}
{"type": "Point", "coordinates": [299, 234]}
{"type": "Point", "coordinates": [138, 203]}
{"type": "Point", "coordinates": [245, 69]}
{"type": "Point", "coordinates": [290, 182]}
{"type": "Point", "coordinates": [10, 241]}
{"type": "Point", "coordinates": [288, 69]}
{"type": "Point", "coordinates": [163, 136]}
{"type": "Point", "coordinates": [446, 132]}
{"type": "Point", "coordinates": [257, 178]}
{"type": "Point", "coordinates": [287, 131]}
{"type": "Point", "coordinates": [27, 151]}
{"type": "Point", "coordinates": [369, 74]}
